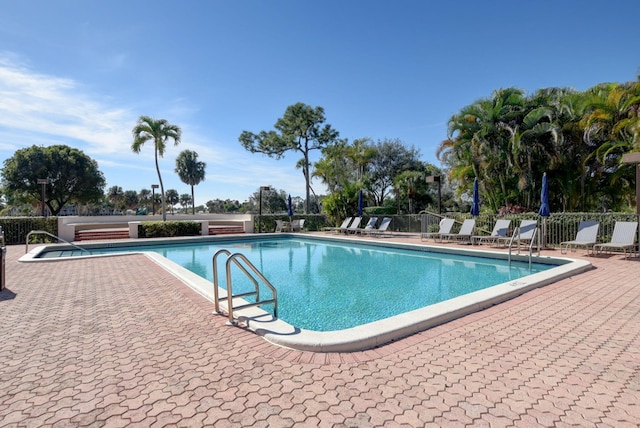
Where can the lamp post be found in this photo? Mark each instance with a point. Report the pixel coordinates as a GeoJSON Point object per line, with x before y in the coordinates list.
{"type": "Point", "coordinates": [43, 182]}
{"type": "Point", "coordinates": [262, 188]}
{"type": "Point", "coordinates": [634, 159]}
{"type": "Point", "coordinates": [436, 179]}
{"type": "Point", "coordinates": [153, 198]}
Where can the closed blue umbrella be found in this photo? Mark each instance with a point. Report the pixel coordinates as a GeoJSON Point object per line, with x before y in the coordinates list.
{"type": "Point", "coordinates": [360, 203]}
{"type": "Point", "coordinates": [544, 210]}
{"type": "Point", "coordinates": [290, 207]}
{"type": "Point", "coordinates": [544, 198]}
{"type": "Point", "coordinates": [475, 205]}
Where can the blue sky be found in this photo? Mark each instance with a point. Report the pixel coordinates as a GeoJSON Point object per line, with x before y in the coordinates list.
{"type": "Point", "coordinates": [81, 72]}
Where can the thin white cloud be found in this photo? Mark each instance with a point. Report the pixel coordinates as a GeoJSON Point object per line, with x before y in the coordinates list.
{"type": "Point", "coordinates": [42, 109]}
{"type": "Point", "coordinates": [56, 107]}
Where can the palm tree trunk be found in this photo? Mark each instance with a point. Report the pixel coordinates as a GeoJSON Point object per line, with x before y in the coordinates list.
{"type": "Point", "coordinates": [164, 209]}
{"type": "Point", "coordinates": [193, 202]}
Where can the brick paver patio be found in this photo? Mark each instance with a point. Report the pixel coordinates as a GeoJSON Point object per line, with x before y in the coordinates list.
{"type": "Point", "coordinates": [118, 341]}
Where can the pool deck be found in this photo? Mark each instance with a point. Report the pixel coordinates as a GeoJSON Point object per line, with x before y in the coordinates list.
{"type": "Point", "coordinates": [121, 342]}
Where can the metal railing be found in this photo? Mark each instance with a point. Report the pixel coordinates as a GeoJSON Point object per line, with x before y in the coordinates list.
{"type": "Point", "coordinates": [557, 228]}
{"type": "Point", "coordinates": [516, 241]}
{"type": "Point", "coordinates": [44, 232]}
{"type": "Point", "coordinates": [236, 259]}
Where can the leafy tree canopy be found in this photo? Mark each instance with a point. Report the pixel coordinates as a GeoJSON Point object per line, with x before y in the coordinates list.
{"type": "Point", "coordinates": [190, 170]}
{"type": "Point", "coordinates": [159, 131]}
{"type": "Point", "coordinates": [509, 140]}
{"type": "Point", "coordinates": [72, 175]}
{"type": "Point", "coordinates": [300, 129]}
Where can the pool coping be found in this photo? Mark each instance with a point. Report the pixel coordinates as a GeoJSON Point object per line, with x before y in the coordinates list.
{"type": "Point", "coordinates": [368, 335]}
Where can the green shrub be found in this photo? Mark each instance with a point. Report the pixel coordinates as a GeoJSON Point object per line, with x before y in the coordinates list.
{"type": "Point", "coordinates": [16, 229]}
{"type": "Point", "coordinates": [165, 229]}
{"type": "Point", "coordinates": [377, 211]}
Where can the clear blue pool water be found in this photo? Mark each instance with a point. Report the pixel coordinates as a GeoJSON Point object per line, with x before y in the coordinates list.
{"type": "Point", "coordinates": [325, 286]}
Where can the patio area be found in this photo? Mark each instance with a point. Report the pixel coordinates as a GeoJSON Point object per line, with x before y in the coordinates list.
{"type": "Point", "coordinates": [119, 341]}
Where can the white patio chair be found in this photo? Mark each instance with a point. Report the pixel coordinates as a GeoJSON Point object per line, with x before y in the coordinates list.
{"type": "Point", "coordinates": [623, 238]}
{"type": "Point", "coordinates": [587, 237]}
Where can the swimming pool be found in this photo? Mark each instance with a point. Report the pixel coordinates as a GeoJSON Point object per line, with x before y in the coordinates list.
{"type": "Point", "coordinates": [342, 285]}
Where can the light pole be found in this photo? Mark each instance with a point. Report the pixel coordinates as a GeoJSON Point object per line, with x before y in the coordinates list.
{"type": "Point", "coordinates": [634, 159]}
{"type": "Point", "coordinates": [436, 179]}
{"type": "Point", "coordinates": [262, 188]}
{"type": "Point", "coordinates": [43, 182]}
{"type": "Point", "coordinates": [153, 198]}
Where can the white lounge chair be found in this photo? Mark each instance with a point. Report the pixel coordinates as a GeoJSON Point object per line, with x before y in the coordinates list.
{"type": "Point", "coordinates": [353, 227]}
{"type": "Point", "coordinates": [297, 225]}
{"type": "Point", "coordinates": [623, 238]}
{"type": "Point", "coordinates": [587, 237]}
{"type": "Point", "coordinates": [340, 228]}
{"type": "Point", "coordinates": [465, 233]}
{"type": "Point", "coordinates": [498, 233]}
{"type": "Point", "coordinates": [384, 225]}
{"type": "Point", "coordinates": [279, 226]}
{"type": "Point", "coordinates": [446, 224]}
{"type": "Point", "coordinates": [371, 224]}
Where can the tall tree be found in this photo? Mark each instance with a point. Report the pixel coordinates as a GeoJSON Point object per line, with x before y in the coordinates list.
{"type": "Point", "coordinates": [301, 130]}
{"type": "Point", "coordinates": [131, 199]}
{"type": "Point", "coordinates": [391, 159]}
{"type": "Point", "coordinates": [159, 131]}
{"type": "Point", "coordinates": [72, 176]}
{"type": "Point", "coordinates": [115, 196]}
{"type": "Point", "coordinates": [172, 198]}
{"type": "Point", "coordinates": [145, 198]}
{"type": "Point", "coordinates": [185, 200]}
{"type": "Point", "coordinates": [335, 167]}
{"type": "Point", "coordinates": [191, 171]}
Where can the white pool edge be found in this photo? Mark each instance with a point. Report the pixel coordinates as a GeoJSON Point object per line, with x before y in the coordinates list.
{"type": "Point", "coordinates": [376, 333]}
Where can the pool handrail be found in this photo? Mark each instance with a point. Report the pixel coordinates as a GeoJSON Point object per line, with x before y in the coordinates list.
{"type": "Point", "coordinates": [33, 232]}
{"type": "Point", "coordinates": [229, 297]}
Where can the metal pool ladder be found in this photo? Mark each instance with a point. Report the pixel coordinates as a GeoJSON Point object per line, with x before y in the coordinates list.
{"type": "Point", "coordinates": [242, 263]}
{"type": "Point", "coordinates": [43, 232]}
{"type": "Point", "coordinates": [535, 240]}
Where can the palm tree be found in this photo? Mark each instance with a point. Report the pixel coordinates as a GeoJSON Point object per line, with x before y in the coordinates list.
{"type": "Point", "coordinates": [185, 200]}
{"type": "Point", "coordinates": [131, 199]}
{"type": "Point", "coordinates": [115, 195]}
{"type": "Point", "coordinates": [190, 171]}
{"type": "Point", "coordinates": [145, 198]}
{"type": "Point", "coordinates": [361, 153]}
{"type": "Point", "coordinates": [172, 197]}
{"type": "Point", "coordinates": [159, 131]}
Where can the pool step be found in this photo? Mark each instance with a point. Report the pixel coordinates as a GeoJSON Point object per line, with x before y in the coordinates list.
{"type": "Point", "coordinates": [225, 230]}
{"type": "Point", "coordinates": [94, 234]}
{"type": "Point", "coordinates": [121, 233]}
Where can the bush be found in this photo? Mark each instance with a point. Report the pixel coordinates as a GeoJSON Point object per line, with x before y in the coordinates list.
{"type": "Point", "coordinates": [165, 229]}
{"type": "Point", "coordinates": [373, 211]}
{"type": "Point", "coordinates": [16, 229]}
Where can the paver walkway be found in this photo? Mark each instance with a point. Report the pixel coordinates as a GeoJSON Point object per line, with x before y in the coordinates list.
{"type": "Point", "coordinates": [120, 342]}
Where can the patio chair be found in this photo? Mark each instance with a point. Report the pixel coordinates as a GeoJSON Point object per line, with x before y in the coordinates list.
{"type": "Point", "coordinates": [371, 224]}
{"type": "Point", "coordinates": [343, 226]}
{"type": "Point", "coordinates": [297, 225]}
{"type": "Point", "coordinates": [498, 233]}
{"type": "Point", "coordinates": [465, 233]}
{"type": "Point", "coordinates": [587, 237]}
{"type": "Point", "coordinates": [384, 225]}
{"type": "Point", "coordinates": [446, 224]}
{"type": "Point", "coordinates": [353, 227]}
{"type": "Point", "coordinates": [623, 238]}
{"type": "Point", "coordinates": [279, 226]}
